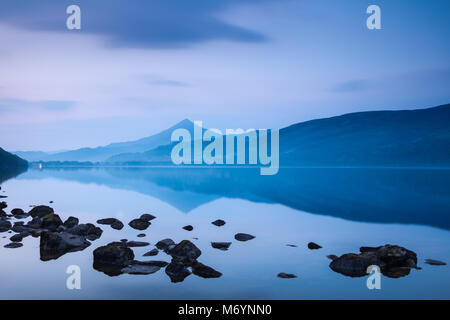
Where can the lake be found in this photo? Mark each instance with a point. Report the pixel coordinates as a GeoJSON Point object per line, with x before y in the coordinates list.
{"type": "Point", "coordinates": [340, 209]}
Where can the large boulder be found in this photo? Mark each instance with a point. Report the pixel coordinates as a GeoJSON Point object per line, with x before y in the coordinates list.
{"type": "Point", "coordinates": [51, 222]}
{"type": "Point", "coordinates": [185, 252]}
{"type": "Point", "coordinates": [71, 222]}
{"type": "Point", "coordinates": [112, 258]}
{"type": "Point", "coordinates": [40, 211]}
{"type": "Point", "coordinates": [177, 271]}
{"type": "Point", "coordinates": [165, 245]}
{"type": "Point", "coordinates": [55, 244]}
{"type": "Point", "coordinates": [199, 269]}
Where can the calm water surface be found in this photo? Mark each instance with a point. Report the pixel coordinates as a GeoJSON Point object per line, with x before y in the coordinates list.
{"type": "Point", "coordinates": [340, 209]}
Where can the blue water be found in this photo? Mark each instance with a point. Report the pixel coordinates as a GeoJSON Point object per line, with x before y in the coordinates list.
{"type": "Point", "coordinates": [340, 209]}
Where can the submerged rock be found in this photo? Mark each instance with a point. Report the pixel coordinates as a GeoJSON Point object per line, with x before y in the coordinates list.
{"type": "Point", "coordinates": [218, 222]}
{"type": "Point", "coordinates": [199, 269]}
{"type": "Point", "coordinates": [13, 245]}
{"type": "Point", "coordinates": [151, 253]}
{"type": "Point", "coordinates": [435, 262]}
{"type": "Point", "coordinates": [243, 237]}
{"type": "Point", "coordinates": [112, 222]}
{"type": "Point", "coordinates": [292, 245]}
{"type": "Point", "coordinates": [17, 212]}
{"type": "Point", "coordinates": [313, 246]}
{"type": "Point", "coordinates": [394, 261]}
{"type": "Point", "coordinates": [117, 225]}
{"type": "Point", "coordinates": [40, 211]}
{"type": "Point", "coordinates": [221, 245]}
{"type": "Point", "coordinates": [188, 228]}
{"type": "Point", "coordinates": [19, 237]}
{"type": "Point", "coordinates": [141, 235]}
{"type": "Point", "coordinates": [132, 244]}
{"type": "Point", "coordinates": [286, 275]}
{"type": "Point", "coordinates": [55, 244]}
{"type": "Point", "coordinates": [139, 224]}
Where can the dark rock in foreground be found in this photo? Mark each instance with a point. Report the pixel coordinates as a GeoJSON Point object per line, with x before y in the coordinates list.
{"type": "Point", "coordinates": [218, 222]}
{"type": "Point", "coordinates": [433, 262]}
{"type": "Point", "coordinates": [13, 245]}
{"type": "Point", "coordinates": [221, 245]}
{"type": "Point", "coordinates": [5, 225]}
{"type": "Point", "coordinates": [313, 246]}
{"type": "Point", "coordinates": [139, 224]}
{"type": "Point", "coordinates": [51, 222]}
{"type": "Point", "coordinates": [112, 222]}
{"type": "Point", "coordinates": [292, 245]}
{"type": "Point", "coordinates": [394, 261]}
{"type": "Point", "coordinates": [286, 275]}
{"type": "Point", "coordinates": [151, 253]}
{"type": "Point", "coordinates": [40, 211]}
{"type": "Point", "coordinates": [53, 244]}
{"type": "Point", "coordinates": [88, 230]}
{"type": "Point", "coordinates": [112, 258]}
{"type": "Point", "coordinates": [188, 228]}
{"type": "Point", "coordinates": [19, 212]}
{"type": "Point", "coordinates": [141, 235]}
{"type": "Point", "coordinates": [243, 237]}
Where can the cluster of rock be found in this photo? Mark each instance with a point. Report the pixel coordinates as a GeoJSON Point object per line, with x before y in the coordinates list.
{"type": "Point", "coordinates": [393, 261]}
{"type": "Point", "coordinates": [118, 258]}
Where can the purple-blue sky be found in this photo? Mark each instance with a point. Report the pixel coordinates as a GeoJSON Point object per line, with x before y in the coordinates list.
{"type": "Point", "coordinates": [138, 67]}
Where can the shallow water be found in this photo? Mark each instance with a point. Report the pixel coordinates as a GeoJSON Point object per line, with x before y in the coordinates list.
{"type": "Point", "coordinates": [340, 209]}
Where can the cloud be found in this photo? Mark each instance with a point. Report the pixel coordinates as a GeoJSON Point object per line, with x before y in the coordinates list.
{"type": "Point", "coordinates": [158, 81]}
{"type": "Point", "coordinates": [7, 105]}
{"type": "Point", "coordinates": [351, 86]}
{"type": "Point", "coordinates": [135, 23]}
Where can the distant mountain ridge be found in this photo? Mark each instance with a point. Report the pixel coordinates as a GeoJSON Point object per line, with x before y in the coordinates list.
{"type": "Point", "coordinates": [10, 165]}
{"type": "Point", "coordinates": [418, 137]}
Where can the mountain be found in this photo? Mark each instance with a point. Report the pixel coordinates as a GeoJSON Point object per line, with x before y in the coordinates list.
{"type": "Point", "coordinates": [31, 155]}
{"type": "Point", "coordinates": [100, 154]}
{"type": "Point", "coordinates": [10, 165]}
{"type": "Point", "coordinates": [375, 138]}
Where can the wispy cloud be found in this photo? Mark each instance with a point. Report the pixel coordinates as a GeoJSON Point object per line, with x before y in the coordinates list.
{"type": "Point", "coordinates": [351, 86]}
{"type": "Point", "coordinates": [7, 105]}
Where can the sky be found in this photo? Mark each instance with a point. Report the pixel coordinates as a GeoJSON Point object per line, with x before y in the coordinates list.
{"type": "Point", "coordinates": [138, 67]}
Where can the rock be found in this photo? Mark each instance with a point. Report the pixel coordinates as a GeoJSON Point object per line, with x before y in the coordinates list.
{"type": "Point", "coordinates": [51, 222]}
{"type": "Point", "coordinates": [435, 262]}
{"type": "Point", "coordinates": [188, 228]}
{"type": "Point", "coordinates": [243, 237]}
{"type": "Point", "coordinates": [332, 257]}
{"type": "Point", "coordinates": [147, 217]}
{"type": "Point", "coordinates": [13, 245]}
{"type": "Point", "coordinates": [313, 246]}
{"type": "Point", "coordinates": [394, 261]}
{"type": "Point", "coordinates": [139, 224]}
{"type": "Point", "coordinates": [5, 225]}
{"type": "Point", "coordinates": [286, 275]}
{"type": "Point", "coordinates": [35, 223]}
{"type": "Point", "coordinates": [18, 212]}
{"type": "Point", "coordinates": [177, 271]}
{"type": "Point", "coordinates": [117, 225]}
{"type": "Point", "coordinates": [142, 269]}
{"type": "Point", "coordinates": [165, 244]}
{"type": "Point", "coordinates": [71, 222]}
{"type": "Point", "coordinates": [151, 253]}
{"type": "Point", "coordinates": [185, 252]}
{"type": "Point", "coordinates": [88, 230]}
{"type": "Point", "coordinates": [221, 245]}
{"type": "Point", "coordinates": [40, 211]}
{"type": "Point", "coordinates": [292, 245]}
{"type": "Point", "coordinates": [131, 244]}
{"type": "Point", "coordinates": [3, 205]}
{"type": "Point", "coordinates": [53, 244]}
{"type": "Point", "coordinates": [203, 271]}
{"type": "Point", "coordinates": [218, 222]}
{"type": "Point", "coordinates": [18, 237]}
{"type": "Point", "coordinates": [141, 235]}
{"type": "Point", "coordinates": [112, 258]}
